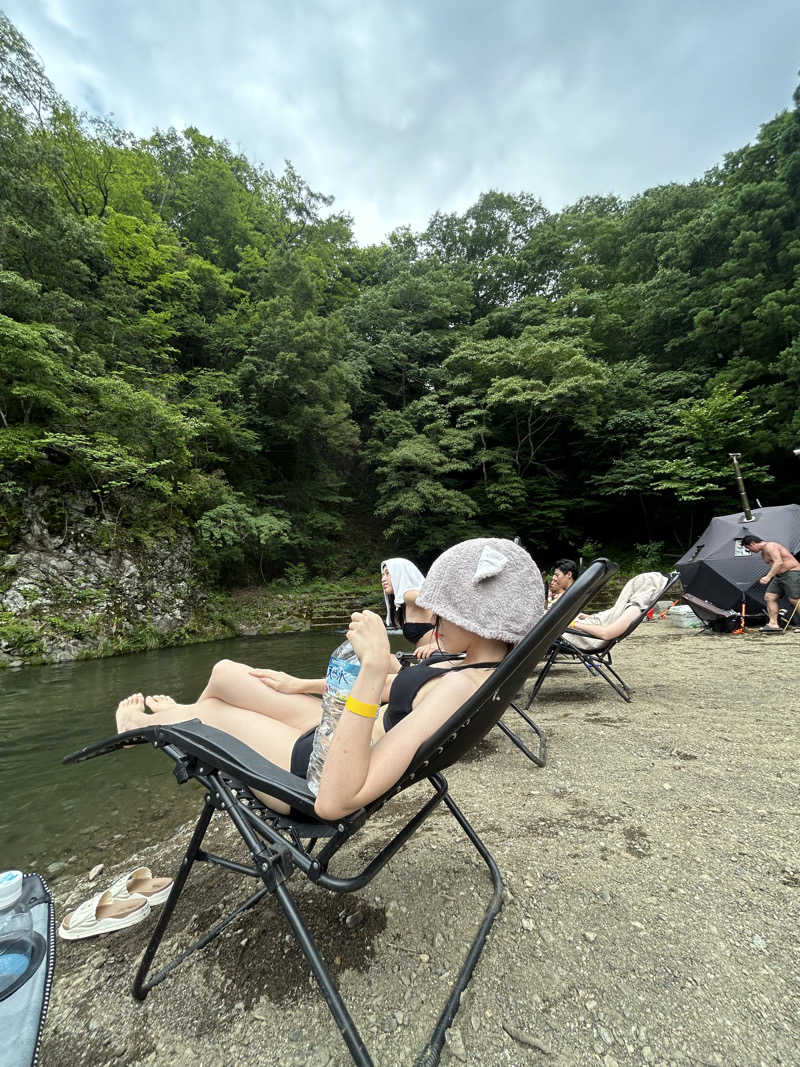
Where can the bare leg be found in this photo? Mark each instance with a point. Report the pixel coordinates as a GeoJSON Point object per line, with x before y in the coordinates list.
{"type": "Point", "coordinates": [270, 738]}
{"type": "Point", "coordinates": [605, 631]}
{"type": "Point", "coordinates": [772, 609]}
{"type": "Point", "coordinates": [232, 683]}
{"type": "Point", "coordinates": [161, 702]}
{"type": "Point", "coordinates": [129, 711]}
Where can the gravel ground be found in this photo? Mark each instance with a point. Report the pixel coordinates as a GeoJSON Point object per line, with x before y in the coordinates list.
{"type": "Point", "coordinates": [653, 874]}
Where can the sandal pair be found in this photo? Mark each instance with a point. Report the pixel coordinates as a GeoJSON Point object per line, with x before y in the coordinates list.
{"type": "Point", "coordinates": [127, 902]}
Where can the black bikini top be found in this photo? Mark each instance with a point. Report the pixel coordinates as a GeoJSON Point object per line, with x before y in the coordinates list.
{"type": "Point", "coordinates": [412, 631]}
{"type": "Point", "coordinates": [415, 631]}
{"type": "Point", "coordinates": [408, 683]}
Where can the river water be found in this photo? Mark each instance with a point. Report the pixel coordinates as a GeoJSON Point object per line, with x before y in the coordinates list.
{"type": "Point", "coordinates": [102, 810]}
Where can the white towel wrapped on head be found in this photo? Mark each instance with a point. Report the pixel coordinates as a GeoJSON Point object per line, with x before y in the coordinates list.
{"type": "Point", "coordinates": [405, 575]}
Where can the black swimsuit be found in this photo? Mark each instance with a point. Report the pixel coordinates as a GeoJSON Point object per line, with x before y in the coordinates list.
{"type": "Point", "coordinates": [405, 687]}
{"type": "Point", "coordinates": [412, 631]}
{"type": "Point", "coordinates": [301, 753]}
{"type": "Point", "coordinates": [408, 683]}
{"type": "Point", "coordinates": [415, 631]}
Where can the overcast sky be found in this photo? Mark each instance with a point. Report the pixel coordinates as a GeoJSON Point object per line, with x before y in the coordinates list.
{"type": "Point", "coordinates": [399, 108]}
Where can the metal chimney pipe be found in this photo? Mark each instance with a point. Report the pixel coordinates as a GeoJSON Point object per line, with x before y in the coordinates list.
{"type": "Point", "coordinates": [736, 456]}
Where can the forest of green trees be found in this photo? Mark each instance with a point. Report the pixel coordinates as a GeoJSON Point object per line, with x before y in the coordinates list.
{"type": "Point", "coordinates": [193, 344]}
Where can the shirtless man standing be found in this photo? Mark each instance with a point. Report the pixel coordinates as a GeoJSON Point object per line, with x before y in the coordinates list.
{"type": "Point", "coordinates": [782, 578]}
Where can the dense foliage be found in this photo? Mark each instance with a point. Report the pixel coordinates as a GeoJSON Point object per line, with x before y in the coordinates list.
{"type": "Point", "coordinates": [191, 342]}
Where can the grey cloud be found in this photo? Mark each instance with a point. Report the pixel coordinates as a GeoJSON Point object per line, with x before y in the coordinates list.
{"type": "Point", "coordinates": [402, 109]}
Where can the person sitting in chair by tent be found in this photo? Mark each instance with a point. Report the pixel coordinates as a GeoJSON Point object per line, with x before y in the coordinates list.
{"type": "Point", "coordinates": [486, 593]}
{"type": "Point", "coordinates": [782, 578]}
{"type": "Point", "coordinates": [592, 631]}
{"type": "Point", "coordinates": [564, 575]}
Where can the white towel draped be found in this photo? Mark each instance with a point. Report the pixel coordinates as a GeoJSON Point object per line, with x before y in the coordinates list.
{"type": "Point", "coordinates": [405, 575]}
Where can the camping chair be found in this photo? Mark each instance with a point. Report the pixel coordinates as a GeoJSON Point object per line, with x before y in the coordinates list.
{"type": "Point", "coordinates": [598, 660]}
{"type": "Point", "coordinates": [281, 846]}
{"type": "Point", "coordinates": [579, 596]}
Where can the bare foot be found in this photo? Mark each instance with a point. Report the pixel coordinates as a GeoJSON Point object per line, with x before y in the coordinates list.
{"type": "Point", "coordinates": [160, 702]}
{"type": "Point", "coordinates": [130, 712]}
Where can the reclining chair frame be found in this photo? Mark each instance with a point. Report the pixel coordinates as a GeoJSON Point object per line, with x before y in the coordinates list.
{"type": "Point", "coordinates": [283, 845]}
{"type": "Point", "coordinates": [539, 758]}
{"type": "Point", "coordinates": [598, 661]}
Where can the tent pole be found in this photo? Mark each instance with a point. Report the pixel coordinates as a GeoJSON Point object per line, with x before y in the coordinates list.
{"type": "Point", "coordinates": [666, 611]}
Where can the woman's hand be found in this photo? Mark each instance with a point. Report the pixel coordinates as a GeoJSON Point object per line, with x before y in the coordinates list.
{"type": "Point", "coordinates": [423, 651]}
{"type": "Point", "coordinates": [368, 636]}
{"type": "Point", "coordinates": [277, 680]}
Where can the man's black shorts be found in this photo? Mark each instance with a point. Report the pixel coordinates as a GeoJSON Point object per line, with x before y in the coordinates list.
{"type": "Point", "coordinates": [786, 584]}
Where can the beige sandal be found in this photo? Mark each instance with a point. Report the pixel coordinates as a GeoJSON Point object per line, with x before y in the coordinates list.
{"type": "Point", "coordinates": [142, 882]}
{"type": "Point", "coordinates": [103, 914]}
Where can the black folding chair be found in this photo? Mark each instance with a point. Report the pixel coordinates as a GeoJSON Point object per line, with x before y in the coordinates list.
{"type": "Point", "coordinates": [281, 846]}
{"type": "Point", "coordinates": [580, 593]}
{"type": "Point", "coordinates": [598, 660]}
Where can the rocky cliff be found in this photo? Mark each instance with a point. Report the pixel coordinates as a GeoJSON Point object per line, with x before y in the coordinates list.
{"type": "Point", "coordinates": [67, 595]}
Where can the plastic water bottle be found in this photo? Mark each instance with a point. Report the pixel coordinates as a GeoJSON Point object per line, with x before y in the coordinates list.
{"type": "Point", "coordinates": [343, 669]}
{"type": "Point", "coordinates": [15, 930]}
{"type": "Point", "coordinates": [14, 916]}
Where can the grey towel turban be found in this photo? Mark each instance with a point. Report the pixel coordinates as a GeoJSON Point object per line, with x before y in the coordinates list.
{"type": "Point", "coordinates": [489, 586]}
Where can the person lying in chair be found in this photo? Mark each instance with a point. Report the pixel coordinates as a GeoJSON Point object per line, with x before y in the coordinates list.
{"type": "Point", "coordinates": [565, 574]}
{"type": "Point", "coordinates": [486, 593]}
{"type": "Point", "coordinates": [592, 631]}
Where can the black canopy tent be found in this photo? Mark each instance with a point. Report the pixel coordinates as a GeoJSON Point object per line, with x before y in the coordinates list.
{"type": "Point", "coordinates": [718, 569]}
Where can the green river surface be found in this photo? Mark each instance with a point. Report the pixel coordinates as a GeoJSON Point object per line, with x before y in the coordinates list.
{"type": "Point", "coordinates": [102, 810]}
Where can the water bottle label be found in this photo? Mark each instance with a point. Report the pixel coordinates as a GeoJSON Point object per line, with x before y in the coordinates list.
{"type": "Point", "coordinates": [341, 677]}
{"type": "Point", "coordinates": [10, 888]}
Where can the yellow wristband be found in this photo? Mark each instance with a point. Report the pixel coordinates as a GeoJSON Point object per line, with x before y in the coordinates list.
{"type": "Point", "coordinates": [358, 707]}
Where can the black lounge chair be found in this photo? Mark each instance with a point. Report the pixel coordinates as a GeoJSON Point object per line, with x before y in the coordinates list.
{"type": "Point", "coordinates": [281, 846]}
{"type": "Point", "coordinates": [598, 660]}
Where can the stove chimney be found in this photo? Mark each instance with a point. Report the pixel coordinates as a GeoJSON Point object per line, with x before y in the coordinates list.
{"type": "Point", "coordinates": [748, 515]}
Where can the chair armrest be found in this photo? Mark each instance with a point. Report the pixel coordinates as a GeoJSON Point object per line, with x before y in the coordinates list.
{"type": "Point", "coordinates": [577, 630]}
{"type": "Point", "coordinates": [214, 750]}
{"type": "Point", "coordinates": [145, 736]}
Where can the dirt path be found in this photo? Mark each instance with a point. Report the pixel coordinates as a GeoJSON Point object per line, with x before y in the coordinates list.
{"type": "Point", "coordinates": [654, 881]}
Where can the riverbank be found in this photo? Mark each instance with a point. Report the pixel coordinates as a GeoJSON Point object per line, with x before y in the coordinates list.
{"type": "Point", "coordinates": [62, 601]}
{"type": "Point", "coordinates": [59, 604]}
{"type": "Point", "coordinates": [653, 870]}
{"type": "Point", "coordinates": [81, 592]}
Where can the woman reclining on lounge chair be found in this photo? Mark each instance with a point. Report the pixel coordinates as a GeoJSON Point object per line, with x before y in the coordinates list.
{"type": "Point", "coordinates": [486, 593]}
{"type": "Point", "coordinates": [603, 626]}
